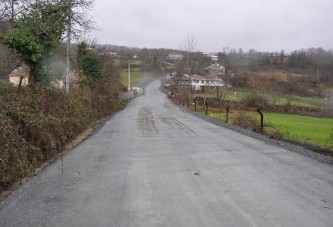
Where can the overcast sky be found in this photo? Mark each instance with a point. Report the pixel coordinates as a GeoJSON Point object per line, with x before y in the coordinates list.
{"type": "Point", "coordinates": [264, 25]}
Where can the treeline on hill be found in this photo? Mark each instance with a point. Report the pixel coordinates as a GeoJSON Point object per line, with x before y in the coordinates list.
{"type": "Point", "coordinates": [150, 59]}
{"type": "Point", "coordinates": [303, 72]}
{"type": "Point", "coordinates": [39, 119]}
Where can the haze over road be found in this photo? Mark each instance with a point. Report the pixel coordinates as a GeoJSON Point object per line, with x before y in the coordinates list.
{"type": "Point", "coordinates": [153, 164]}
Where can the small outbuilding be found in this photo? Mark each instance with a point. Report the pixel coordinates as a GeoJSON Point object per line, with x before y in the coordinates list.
{"type": "Point", "coordinates": [17, 74]}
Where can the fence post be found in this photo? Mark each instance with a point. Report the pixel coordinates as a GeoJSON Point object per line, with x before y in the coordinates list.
{"type": "Point", "coordinates": [206, 104]}
{"type": "Point", "coordinates": [227, 116]}
{"type": "Point", "coordinates": [195, 105]}
{"type": "Point", "coordinates": [188, 103]}
{"type": "Point", "coordinates": [261, 121]}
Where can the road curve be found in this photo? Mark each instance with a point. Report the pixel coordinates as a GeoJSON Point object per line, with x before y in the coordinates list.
{"type": "Point", "coordinates": [153, 164]}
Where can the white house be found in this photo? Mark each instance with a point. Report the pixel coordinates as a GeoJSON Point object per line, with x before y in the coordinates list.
{"type": "Point", "coordinates": [214, 58]}
{"type": "Point", "coordinates": [211, 56]}
{"type": "Point", "coordinates": [198, 82]}
{"type": "Point", "coordinates": [216, 70]}
{"type": "Point", "coordinates": [110, 54]}
{"type": "Point", "coordinates": [175, 57]}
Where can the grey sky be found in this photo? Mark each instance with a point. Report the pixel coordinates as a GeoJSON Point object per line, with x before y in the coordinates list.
{"type": "Point", "coordinates": [265, 25]}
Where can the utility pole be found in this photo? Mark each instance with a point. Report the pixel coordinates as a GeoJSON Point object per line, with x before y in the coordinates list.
{"type": "Point", "coordinates": [189, 79]}
{"type": "Point", "coordinates": [190, 45]}
{"type": "Point", "coordinates": [12, 16]}
{"type": "Point", "coordinates": [129, 75]}
{"type": "Point", "coordinates": [69, 31]}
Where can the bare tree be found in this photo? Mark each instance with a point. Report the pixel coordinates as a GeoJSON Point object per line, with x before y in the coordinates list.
{"type": "Point", "coordinates": [189, 47]}
{"type": "Point", "coordinates": [79, 22]}
{"type": "Point", "coordinates": [11, 10]}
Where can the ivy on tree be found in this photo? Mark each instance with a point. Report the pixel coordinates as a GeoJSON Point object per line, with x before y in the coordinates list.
{"type": "Point", "coordinates": [36, 36]}
{"type": "Point", "coordinates": [90, 67]}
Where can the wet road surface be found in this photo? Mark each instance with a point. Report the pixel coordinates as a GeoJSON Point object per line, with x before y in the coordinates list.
{"type": "Point", "coordinates": [153, 164]}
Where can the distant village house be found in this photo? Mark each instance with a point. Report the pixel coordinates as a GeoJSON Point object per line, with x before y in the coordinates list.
{"type": "Point", "coordinates": [216, 70]}
{"type": "Point", "coordinates": [17, 74]}
{"type": "Point", "coordinates": [175, 57]}
{"type": "Point", "coordinates": [23, 71]}
{"type": "Point", "coordinates": [199, 82]}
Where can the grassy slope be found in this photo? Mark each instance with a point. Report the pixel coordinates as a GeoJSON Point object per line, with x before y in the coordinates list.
{"type": "Point", "coordinates": [312, 130]}
{"type": "Point", "coordinates": [135, 73]}
{"type": "Point", "coordinates": [134, 77]}
{"type": "Point", "coordinates": [316, 131]}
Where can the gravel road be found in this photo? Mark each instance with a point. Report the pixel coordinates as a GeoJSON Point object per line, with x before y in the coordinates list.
{"type": "Point", "coordinates": [154, 164]}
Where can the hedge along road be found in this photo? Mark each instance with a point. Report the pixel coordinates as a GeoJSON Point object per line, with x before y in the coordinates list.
{"type": "Point", "coordinates": [153, 164]}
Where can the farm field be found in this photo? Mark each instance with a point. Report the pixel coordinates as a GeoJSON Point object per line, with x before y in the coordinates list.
{"type": "Point", "coordinates": [312, 130]}
{"type": "Point", "coordinates": [135, 72]}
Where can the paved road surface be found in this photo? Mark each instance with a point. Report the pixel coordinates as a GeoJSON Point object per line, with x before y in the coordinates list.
{"type": "Point", "coordinates": [155, 165]}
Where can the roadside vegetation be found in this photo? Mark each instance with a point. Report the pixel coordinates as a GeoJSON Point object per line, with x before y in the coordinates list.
{"type": "Point", "coordinates": [39, 119]}
{"type": "Point", "coordinates": [37, 124]}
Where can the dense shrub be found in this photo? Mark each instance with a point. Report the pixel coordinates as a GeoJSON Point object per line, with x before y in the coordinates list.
{"type": "Point", "coordinates": [37, 123]}
{"type": "Point", "coordinates": [255, 100]}
{"type": "Point", "coordinates": [247, 120]}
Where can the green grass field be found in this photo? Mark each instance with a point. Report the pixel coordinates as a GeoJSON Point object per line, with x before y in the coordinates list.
{"type": "Point", "coordinates": [312, 130]}
{"type": "Point", "coordinates": [135, 72]}
{"type": "Point", "coordinates": [316, 131]}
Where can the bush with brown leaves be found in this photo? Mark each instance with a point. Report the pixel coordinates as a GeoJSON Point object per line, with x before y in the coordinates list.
{"type": "Point", "coordinates": [37, 123]}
